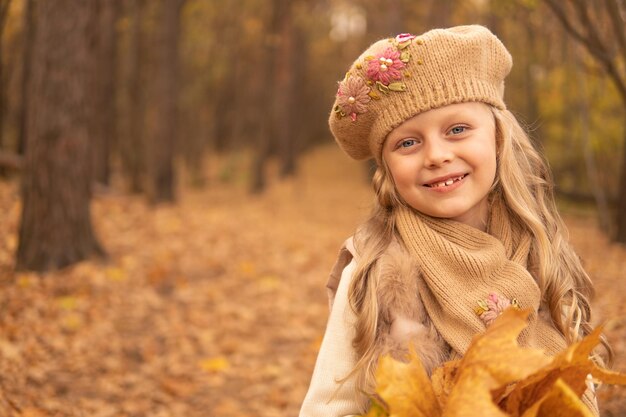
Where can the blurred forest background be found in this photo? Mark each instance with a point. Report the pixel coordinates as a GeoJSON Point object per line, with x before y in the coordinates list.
{"type": "Point", "coordinates": [171, 201]}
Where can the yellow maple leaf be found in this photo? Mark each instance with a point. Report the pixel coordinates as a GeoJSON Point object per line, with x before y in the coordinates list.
{"type": "Point", "coordinates": [495, 378]}
{"type": "Point", "coordinates": [68, 302]}
{"type": "Point", "coordinates": [377, 409]}
{"type": "Point", "coordinates": [497, 350]}
{"type": "Point", "coordinates": [215, 364]}
{"type": "Point", "coordinates": [116, 274]}
{"type": "Point", "coordinates": [560, 401]}
{"type": "Point", "coordinates": [405, 388]}
{"type": "Point", "coordinates": [443, 379]}
{"type": "Point", "coordinates": [570, 367]}
{"type": "Point", "coordinates": [493, 360]}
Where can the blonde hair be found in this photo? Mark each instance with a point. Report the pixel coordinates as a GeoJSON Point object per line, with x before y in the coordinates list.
{"type": "Point", "coordinates": [524, 182]}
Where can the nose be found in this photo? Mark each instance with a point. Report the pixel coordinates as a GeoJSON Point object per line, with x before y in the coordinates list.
{"type": "Point", "coordinates": [437, 152]}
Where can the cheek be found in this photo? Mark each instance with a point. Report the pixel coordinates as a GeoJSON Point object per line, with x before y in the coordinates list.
{"type": "Point", "coordinates": [492, 168]}
{"type": "Point", "coordinates": [486, 157]}
{"type": "Point", "coordinates": [493, 174]}
{"type": "Point", "coordinates": [402, 176]}
{"type": "Point", "coordinates": [400, 164]}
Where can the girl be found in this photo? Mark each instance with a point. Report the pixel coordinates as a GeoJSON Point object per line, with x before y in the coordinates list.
{"type": "Point", "coordinates": [464, 224]}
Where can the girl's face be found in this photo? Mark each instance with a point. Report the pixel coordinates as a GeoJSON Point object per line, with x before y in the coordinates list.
{"type": "Point", "coordinates": [443, 161]}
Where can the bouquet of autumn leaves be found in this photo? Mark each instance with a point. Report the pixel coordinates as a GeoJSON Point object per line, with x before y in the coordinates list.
{"type": "Point", "coordinates": [495, 378]}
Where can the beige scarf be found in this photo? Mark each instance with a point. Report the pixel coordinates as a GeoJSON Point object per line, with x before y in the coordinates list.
{"type": "Point", "coordinates": [461, 265]}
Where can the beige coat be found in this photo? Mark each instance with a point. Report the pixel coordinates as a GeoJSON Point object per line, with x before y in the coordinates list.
{"type": "Point", "coordinates": [336, 357]}
{"type": "Point", "coordinates": [403, 319]}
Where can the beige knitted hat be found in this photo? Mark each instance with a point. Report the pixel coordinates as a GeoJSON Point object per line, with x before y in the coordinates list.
{"type": "Point", "coordinates": [397, 78]}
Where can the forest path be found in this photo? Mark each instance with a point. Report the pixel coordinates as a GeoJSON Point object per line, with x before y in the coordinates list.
{"type": "Point", "coordinates": [213, 306]}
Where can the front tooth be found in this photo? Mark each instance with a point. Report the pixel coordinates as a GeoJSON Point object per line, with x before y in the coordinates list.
{"type": "Point", "coordinates": [449, 182]}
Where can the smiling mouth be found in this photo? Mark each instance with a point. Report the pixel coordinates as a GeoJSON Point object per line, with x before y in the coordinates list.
{"type": "Point", "coordinates": [447, 182]}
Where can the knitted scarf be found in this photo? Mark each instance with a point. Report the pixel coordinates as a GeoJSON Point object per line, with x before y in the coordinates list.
{"type": "Point", "coordinates": [461, 265]}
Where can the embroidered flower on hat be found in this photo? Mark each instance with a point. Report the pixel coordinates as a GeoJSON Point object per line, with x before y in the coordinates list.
{"type": "Point", "coordinates": [381, 72]}
{"type": "Point", "coordinates": [404, 37]}
{"type": "Point", "coordinates": [385, 66]}
{"type": "Point", "coordinates": [488, 310]}
{"type": "Point", "coordinates": [352, 97]}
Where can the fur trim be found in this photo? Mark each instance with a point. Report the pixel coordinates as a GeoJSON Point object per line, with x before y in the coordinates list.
{"type": "Point", "coordinates": [397, 288]}
{"type": "Point", "coordinates": [404, 321]}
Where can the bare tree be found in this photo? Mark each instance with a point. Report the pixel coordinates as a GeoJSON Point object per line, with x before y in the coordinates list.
{"type": "Point", "coordinates": [104, 127]}
{"type": "Point", "coordinates": [285, 106]}
{"type": "Point", "coordinates": [600, 27]}
{"type": "Point", "coordinates": [162, 156]}
{"type": "Point", "coordinates": [27, 52]}
{"type": "Point", "coordinates": [264, 140]}
{"type": "Point", "coordinates": [598, 191]}
{"type": "Point", "coordinates": [131, 147]}
{"type": "Point", "coordinates": [55, 228]}
{"type": "Point", "coordinates": [4, 10]}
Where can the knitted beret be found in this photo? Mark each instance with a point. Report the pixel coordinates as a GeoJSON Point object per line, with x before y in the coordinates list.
{"type": "Point", "coordinates": [397, 78]}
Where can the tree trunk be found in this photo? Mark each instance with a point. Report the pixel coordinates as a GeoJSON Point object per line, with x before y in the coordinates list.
{"type": "Point", "coordinates": [104, 118]}
{"type": "Point", "coordinates": [226, 112]}
{"type": "Point", "coordinates": [264, 140]}
{"type": "Point", "coordinates": [4, 9]}
{"type": "Point", "coordinates": [55, 228]}
{"type": "Point", "coordinates": [297, 95]}
{"type": "Point", "coordinates": [285, 108]}
{"type": "Point", "coordinates": [162, 164]}
{"type": "Point", "coordinates": [235, 109]}
{"type": "Point", "coordinates": [598, 191]}
{"type": "Point", "coordinates": [29, 38]}
{"type": "Point", "coordinates": [131, 148]}
{"type": "Point", "coordinates": [10, 161]}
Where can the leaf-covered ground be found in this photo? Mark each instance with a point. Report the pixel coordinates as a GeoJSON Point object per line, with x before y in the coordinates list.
{"type": "Point", "coordinates": [214, 306]}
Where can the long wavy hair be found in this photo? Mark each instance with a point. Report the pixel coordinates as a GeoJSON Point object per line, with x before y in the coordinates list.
{"type": "Point", "coordinates": [524, 182]}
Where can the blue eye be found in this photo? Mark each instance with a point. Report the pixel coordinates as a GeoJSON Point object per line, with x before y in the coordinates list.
{"type": "Point", "coordinates": [457, 130]}
{"type": "Point", "coordinates": [407, 143]}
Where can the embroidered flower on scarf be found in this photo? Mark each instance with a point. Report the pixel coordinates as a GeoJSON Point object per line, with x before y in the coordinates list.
{"type": "Point", "coordinates": [385, 67]}
{"type": "Point", "coordinates": [488, 310]}
{"type": "Point", "coordinates": [352, 97]}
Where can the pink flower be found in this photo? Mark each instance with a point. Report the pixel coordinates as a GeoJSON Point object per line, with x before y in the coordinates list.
{"type": "Point", "coordinates": [352, 96]}
{"type": "Point", "coordinates": [403, 37]}
{"type": "Point", "coordinates": [385, 67]}
{"type": "Point", "coordinates": [488, 317]}
{"type": "Point", "coordinates": [495, 305]}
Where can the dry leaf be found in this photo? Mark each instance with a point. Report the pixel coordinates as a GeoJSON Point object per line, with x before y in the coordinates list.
{"type": "Point", "coordinates": [495, 378]}
{"type": "Point", "coordinates": [33, 412]}
{"type": "Point", "coordinates": [560, 401]}
{"type": "Point", "coordinates": [178, 386]}
{"type": "Point", "coordinates": [493, 360]}
{"type": "Point", "coordinates": [571, 367]}
{"type": "Point", "coordinates": [376, 409]}
{"type": "Point", "coordinates": [443, 379]}
{"type": "Point", "coordinates": [68, 302]}
{"type": "Point", "coordinates": [116, 274]}
{"type": "Point", "coordinates": [497, 350]}
{"type": "Point", "coordinates": [405, 388]}
{"type": "Point", "coordinates": [216, 364]}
